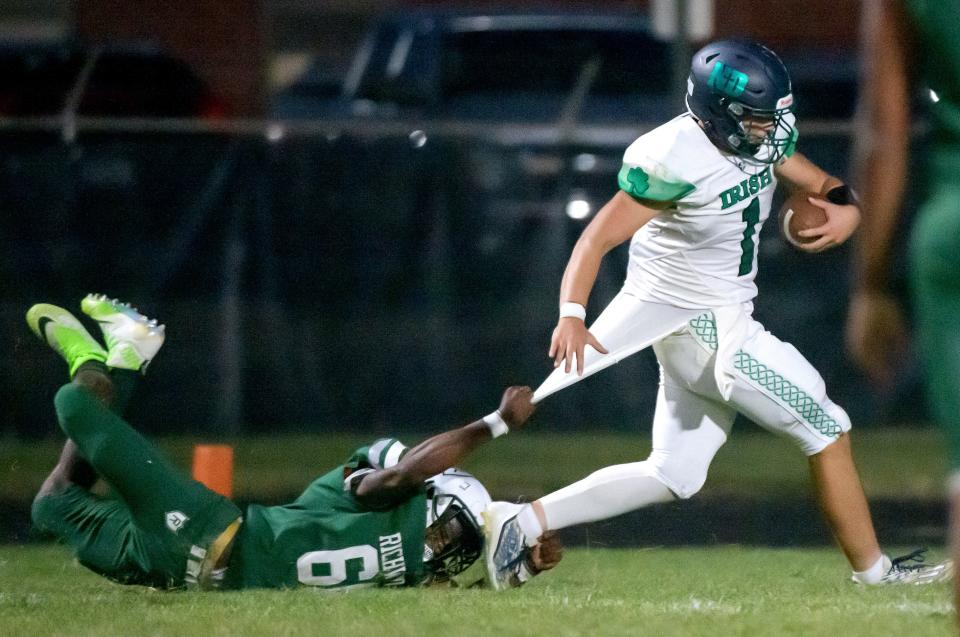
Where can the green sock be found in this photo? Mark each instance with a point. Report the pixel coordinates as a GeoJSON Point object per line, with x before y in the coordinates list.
{"type": "Point", "coordinates": [122, 457]}
{"type": "Point", "coordinates": [126, 381]}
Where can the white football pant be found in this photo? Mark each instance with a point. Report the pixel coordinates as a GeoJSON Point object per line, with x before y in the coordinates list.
{"type": "Point", "coordinates": [772, 384]}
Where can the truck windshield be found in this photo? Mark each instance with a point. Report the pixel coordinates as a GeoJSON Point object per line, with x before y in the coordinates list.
{"type": "Point", "coordinates": [551, 61]}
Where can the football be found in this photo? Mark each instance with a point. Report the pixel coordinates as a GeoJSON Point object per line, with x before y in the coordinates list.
{"type": "Point", "coordinates": [797, 213]}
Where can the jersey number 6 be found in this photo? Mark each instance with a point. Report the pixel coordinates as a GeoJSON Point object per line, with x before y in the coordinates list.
{"type": "Point", "coordinates": [329, 568]}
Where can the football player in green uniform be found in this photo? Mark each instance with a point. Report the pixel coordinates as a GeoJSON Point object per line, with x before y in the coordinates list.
{"type": "Point", "coordinates": [907, 42]}
{"type": "Point", "coordinates": [361, 524]}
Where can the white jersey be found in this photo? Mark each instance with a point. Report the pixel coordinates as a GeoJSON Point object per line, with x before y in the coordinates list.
{"type": "Point", "coordinates": [702, 251]}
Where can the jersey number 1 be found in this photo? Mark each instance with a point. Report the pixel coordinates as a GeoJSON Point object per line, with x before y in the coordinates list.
{"type": "Point", "coordinates": [751, 214]}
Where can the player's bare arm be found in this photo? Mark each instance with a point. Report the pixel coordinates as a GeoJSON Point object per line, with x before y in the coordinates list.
{"type": "Point", "coordinates": [615, 223]}
{"type": "Point", "coordinates": [876, 333]}
{"type": "Point", "coordinates": [843, 214]}
{"type": "Point", "coordinates": [384, 488]}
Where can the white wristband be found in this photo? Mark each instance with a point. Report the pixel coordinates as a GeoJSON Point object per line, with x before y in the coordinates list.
{"type": "Point", "coordinates": [574, 310]}
{"type": "Point", "coordinates": [496, 423]}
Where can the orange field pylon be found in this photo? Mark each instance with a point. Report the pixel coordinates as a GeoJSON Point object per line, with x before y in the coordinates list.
{"type": "Point", "coordinates": [213, 467]}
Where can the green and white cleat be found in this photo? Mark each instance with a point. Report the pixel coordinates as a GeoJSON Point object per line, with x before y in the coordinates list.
{"type": "Point", "coordinates": [913, 569]}
{"type": "Point", "coordinates": [132, 339]}
{"type": "Point", "coordinates": [504, 546]}
{"type": "Point", "coordinates": [67, 336]}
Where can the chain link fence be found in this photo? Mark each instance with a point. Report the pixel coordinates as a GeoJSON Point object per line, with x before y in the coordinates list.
{"type": "Point", "coordinates": [352, 276]}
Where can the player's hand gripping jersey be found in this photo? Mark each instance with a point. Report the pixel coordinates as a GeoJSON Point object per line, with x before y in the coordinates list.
{"type": "Point", "coordinates": [326, 538]}
{"type": "Point", "coordinates": [701, 252]}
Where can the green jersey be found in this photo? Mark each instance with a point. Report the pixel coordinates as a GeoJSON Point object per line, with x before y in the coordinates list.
{"type": "Point", "coordinates": [935, 238]}
{"type": "Point", "coordinates": [327, 539]}
{"type": "Point", "coordinates": [938, 31]}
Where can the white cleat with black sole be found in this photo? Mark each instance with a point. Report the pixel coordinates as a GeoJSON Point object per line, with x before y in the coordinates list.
{"type": "Point", "coordinates": [132, 339]}
{"type": "Point", "coordinates": [504, 548]}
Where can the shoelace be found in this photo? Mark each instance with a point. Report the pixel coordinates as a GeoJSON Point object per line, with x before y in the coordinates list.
{"type": "Point", "coordinates": [901, 563]}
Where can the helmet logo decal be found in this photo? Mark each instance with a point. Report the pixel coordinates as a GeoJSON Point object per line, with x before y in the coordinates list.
{"type": "Point", "coordinates": [785, 101]}
{"type": "Point", "coordinates": [728, 80]}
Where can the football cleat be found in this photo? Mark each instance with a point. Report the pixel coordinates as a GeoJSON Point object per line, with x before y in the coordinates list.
{"type": "Point", "coordinates": [504, 548]}
{"type": "Point", "coordinates": [911, 569]}
{"type": "Point", "coordinates": [132, 339]}
{"type": "Point", "coordinates": [61, 330]}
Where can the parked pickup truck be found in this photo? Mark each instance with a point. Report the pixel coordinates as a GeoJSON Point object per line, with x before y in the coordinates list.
{"type": "Point", "coordinates": [534, 108]}
{"type": "Point", "coordinates": [519, 120]}
{"type": "Point", "coordinates": [523, 116]}
{"type": "Point", "coordinates": [529, 67]}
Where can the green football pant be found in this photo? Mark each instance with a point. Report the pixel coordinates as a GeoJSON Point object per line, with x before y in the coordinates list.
{"type": "Point", "coordinates": [935, 271]}
{"type": "Point", "coordinates": [159, 520]}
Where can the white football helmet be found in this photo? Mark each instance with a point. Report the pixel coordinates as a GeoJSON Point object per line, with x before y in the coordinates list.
{"type": "Point", "coordinates": [455, 504]}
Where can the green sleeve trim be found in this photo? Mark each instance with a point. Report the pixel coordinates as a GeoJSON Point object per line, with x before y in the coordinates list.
{"type": "Point", "coordinates": [792, 144]}
{"type": "Point", "coordinates": [385, 453]}
{"type": "Point", "coordinates": [381, 454]}
{"type": "Point", "coordinates": [641, 185]}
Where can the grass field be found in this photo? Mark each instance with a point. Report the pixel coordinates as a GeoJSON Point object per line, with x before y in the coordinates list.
{"type": "Point", "coordinates": [714, 592]}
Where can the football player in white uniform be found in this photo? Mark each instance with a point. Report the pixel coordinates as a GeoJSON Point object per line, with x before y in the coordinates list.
{"type": "Point", "coordinates": [693, 195]}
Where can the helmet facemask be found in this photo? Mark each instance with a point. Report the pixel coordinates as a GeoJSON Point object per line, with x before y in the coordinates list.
{"type": "Point", "coordinates": [453, 540]}
{"type": "Point", "coordinates": [764, 136]}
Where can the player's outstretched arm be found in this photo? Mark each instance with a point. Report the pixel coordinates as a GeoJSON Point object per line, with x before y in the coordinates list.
{"type": "Point", "coordinates": [384, 488]}
{"type": "Point", "coordinates": [615, 223]}
{"type": "Point", "coordinates": [843, 212]}
{"type": "Point", "coordinates": [876, 333]}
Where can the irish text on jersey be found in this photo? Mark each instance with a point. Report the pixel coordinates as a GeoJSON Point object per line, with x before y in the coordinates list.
{"type": "Point", "coordinates": [746, 188]}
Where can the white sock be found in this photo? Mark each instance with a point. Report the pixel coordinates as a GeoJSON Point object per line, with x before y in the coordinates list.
{"type": "Point", "coordinates": [530, 525]}
{"type": "Point", "coordinates": [603, 494]}
{"type": "Point", "coordinates": [875, 573]}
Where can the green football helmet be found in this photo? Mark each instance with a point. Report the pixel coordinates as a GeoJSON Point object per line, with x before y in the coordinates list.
{"type": "Point", "coordinates": [741, 93]}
